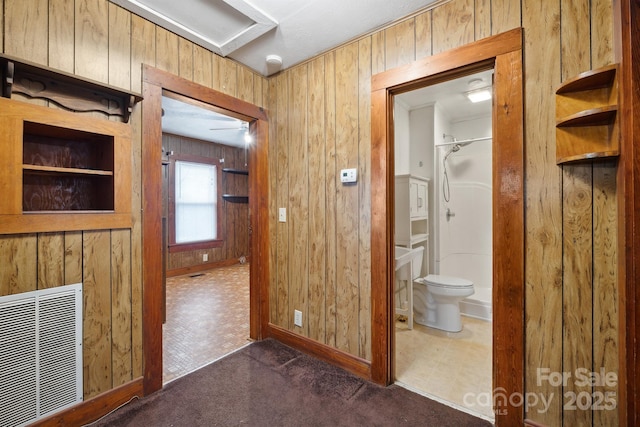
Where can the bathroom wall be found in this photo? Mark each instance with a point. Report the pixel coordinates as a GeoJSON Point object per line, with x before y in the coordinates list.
{"type": "Point", "coordinates": [465, 240]}
{"type": "Point", "coordinates": [402, 138]}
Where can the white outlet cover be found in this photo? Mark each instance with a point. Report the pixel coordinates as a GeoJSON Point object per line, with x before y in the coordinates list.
{"type": "Point", "coordinates": [297, 318]}
{"type": "Point", "coordinates": [282, 214]}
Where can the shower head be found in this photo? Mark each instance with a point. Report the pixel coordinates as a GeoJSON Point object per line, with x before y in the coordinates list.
{"type": "Point", "coordinates": [456, 147]}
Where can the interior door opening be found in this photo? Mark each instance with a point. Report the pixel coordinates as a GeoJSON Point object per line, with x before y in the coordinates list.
{"type": "Point", "coordinates": [442, 245]}
{"type": "Point", "coordinates": [205, 221]}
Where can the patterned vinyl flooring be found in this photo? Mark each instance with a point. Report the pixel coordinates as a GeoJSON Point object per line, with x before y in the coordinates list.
{"type": "Point", "coordinates": [207, 317]}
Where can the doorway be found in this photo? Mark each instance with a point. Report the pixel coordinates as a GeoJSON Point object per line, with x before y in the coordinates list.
{"type": "Point", "coordinates": [205, 234]}
{"type": "Point", "coordinates": [443, 144]}
{"type": "Point", "coordinates": [503, 53]}
{"type": "Point", "coordinates": [155, 83]}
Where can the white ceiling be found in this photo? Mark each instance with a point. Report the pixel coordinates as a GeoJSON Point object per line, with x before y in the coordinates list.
{"type": "Point", "coordinates": [295, 30]}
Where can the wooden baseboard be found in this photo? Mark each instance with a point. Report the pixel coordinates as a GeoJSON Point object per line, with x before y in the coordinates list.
{"type": "Point", "coordinates": [346, 361]}
{"type": "Point", "coordinates": [202, 267]}
{"type": "Point", "coordinates": [96, 407]}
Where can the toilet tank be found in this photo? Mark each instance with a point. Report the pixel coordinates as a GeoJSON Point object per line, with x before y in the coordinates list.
{"type": "Point", "coordinates": [408, 261]}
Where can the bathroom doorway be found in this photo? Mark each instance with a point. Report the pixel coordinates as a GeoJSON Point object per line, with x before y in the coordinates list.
{"type": "Point", "coordinates": [503, 54]}
{"type": "Point", "coordinates": [443, 140]}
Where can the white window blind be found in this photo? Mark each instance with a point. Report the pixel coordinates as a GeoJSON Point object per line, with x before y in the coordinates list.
{"type": "Point", "coordinates": [195, 202]}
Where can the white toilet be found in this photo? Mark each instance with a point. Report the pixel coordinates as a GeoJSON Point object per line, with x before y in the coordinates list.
{"type": "Point", "coordinates": [436, 301]}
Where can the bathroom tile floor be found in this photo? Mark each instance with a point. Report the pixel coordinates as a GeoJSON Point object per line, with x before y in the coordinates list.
{"type": "Point", "coordinates": [447, 365]}
{"type": "Point", "coordinates": [207, 317]}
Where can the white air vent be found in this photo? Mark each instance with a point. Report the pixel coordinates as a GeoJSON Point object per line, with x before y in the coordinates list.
{"type": "Point", "coordinates": [40, 353]}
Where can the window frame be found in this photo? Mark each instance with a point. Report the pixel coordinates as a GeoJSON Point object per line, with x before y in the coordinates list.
{"type": "Point", "coordinates": [220, 229]}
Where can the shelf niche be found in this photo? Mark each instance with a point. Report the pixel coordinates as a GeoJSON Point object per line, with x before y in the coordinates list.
{"type": "Point", "coordinates": [60, 171]}
{"type": "Point", "coordinates": [587, 119]}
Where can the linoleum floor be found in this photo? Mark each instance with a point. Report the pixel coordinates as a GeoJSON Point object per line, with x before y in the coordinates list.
{"type": "Point", "coordinates": [452, 367]}
{"type": "Point", "coordinates": [207, 318]}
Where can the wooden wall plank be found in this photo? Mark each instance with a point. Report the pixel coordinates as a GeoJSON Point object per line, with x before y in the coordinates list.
{"type": "Point", "coordinates": [228, 76]}
{"type": "Point", "coordinates": [423, 37]}
{"type": "Point", "coordinates": [577, 196]}
{"type": "Point", "coordinates": [97, 313]}
{"type": "Point", "coordinates": [119, 47]}
{"type": "Point", "coordinates": [2, 27]}
{"type": "Point", "coordinates": [50, 260]}
{"type": "Point", "coordinates": [18, 273]}
{"type": "Point", "coordinates": [602, 37]}
{"type": "Point", "coordinates": [400, 43]}
{"type": "Point", "coordinates": [143, 51]}
{"type": "Point", "coordinates": [92, 39]}
{"type": "Point", "coordinates": [364, 185]}
{"type": "Point", "coordinates": [167, 51]}
{"type": "Point", "coordinates": [121, 365]}
{"type": "Point", "coordinates": [543, 298]}
{"type": "Point", "coordinates": [452, 25]}
{"type": "Point", "coordinates": [317, 202]}
{"type": "Point", "coordinates": [26, 23]}
{"type": "Point", "coordinates": [347, 266]}
{"type": "Point", "coordinates": [202, 66]}
{"type": "Point", "coordinates": [482, 17]}
{"type": "Point", "coordinates": [282, 236]}
{"type": "Point", "coordinates": [61, 35]}
{"type": "Point", "coordinates": [185, 59]}
{"type": "Point", "coordinates": [245, 89]}
{"type": "Point", "coordinates": [505, 15]}
{"type": "Point", "coordinates": [331, 171]}
{"type": "Point", "coordinates": [72, 257]}
{"type": "Point", "coordinates": [606, 322]}
{"type": "Point", "coordinates": [575, 37]}
{"type": "Point", "coordinates": [577, 285]}
{"type": "Point", "coordinates": [298, 214]}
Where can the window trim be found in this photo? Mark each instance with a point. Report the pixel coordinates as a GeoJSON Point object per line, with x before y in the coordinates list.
{"type": "Point", "coordinates": [204, 244]}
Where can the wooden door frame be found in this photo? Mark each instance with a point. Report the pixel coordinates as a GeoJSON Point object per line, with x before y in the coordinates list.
{"type": "Point", "coordinates": [154, 82]}
{"type": "Point", "coordinates": [503, 53]}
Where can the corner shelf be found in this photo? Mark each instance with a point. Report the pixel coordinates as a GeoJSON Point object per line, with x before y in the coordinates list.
{"type": "Point", "coordinates": [587, 117]}
{"type": "Point", "coordinates": [232, 197]}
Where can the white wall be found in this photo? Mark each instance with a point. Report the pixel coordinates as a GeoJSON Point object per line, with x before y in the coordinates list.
{"type": "Point", "coordinates": [401, 139]}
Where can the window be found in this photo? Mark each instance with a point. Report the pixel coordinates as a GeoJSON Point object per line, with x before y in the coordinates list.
{"type": "Point", "coordinates": [194, 203]}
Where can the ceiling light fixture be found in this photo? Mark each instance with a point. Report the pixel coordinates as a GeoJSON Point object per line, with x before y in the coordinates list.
{"type": "Point", "coordinates": [478, 91]}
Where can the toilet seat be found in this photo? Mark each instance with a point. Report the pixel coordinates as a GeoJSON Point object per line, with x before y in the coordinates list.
{"type": "Point", "coordinates": [447, 282]}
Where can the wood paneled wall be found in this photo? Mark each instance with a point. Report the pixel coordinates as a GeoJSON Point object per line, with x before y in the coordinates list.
{"type": "Point", "coordinates": [320, 263]}
{"type": "Point", "coordinates": [98, 40]}
{"type": "Point", "coordinates": [319, 111]}
{"type": "Point", "coordinates": [235, 216]}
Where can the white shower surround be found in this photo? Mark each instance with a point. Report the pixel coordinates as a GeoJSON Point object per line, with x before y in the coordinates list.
{"type": "Point", "coordinates": [463, 245]}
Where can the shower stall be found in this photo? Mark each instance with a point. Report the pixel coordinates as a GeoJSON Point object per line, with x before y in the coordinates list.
{"type": "Point", "coordinates": [463, 211]}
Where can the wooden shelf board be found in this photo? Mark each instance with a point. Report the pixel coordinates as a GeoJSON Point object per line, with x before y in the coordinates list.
{"type": "Point", "coordinates": [236, 171]}
{"type": "Point", "coordinates": [587, 156]}
{"type": "Point", "coordinates": [71, 171]}
{"type": "Point", "coordinates": [593, 117]}
{"type": "Point", "coordinates": [592, 79]}
{"type": "Point", "coordinates": [235, 199]}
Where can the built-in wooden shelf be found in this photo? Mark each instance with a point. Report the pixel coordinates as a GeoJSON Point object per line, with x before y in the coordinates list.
{"type": "Point", "coordinates": [232, 197]}
{"type": "Point", "coordinates": [61, 171]}
{"type": "Point", "coordinates": [235, 171]}
{"type": "Point", "coordinates": [587, 119]}
{"type": "Point", "coordinates": [68, 91]}
{"type": "Point", "coordinates": [235, 199]}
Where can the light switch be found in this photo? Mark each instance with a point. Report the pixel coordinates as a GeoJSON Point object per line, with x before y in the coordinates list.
{"type": "Point", "coordinates": [282, 214]}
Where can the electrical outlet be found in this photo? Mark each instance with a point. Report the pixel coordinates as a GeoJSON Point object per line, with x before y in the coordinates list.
{"type": "Point", "coordinates": [282, 214]}
{"type": "Point", "coordinates": [297, 318]}
{"type": "Point", "coordinates": [205, 257]}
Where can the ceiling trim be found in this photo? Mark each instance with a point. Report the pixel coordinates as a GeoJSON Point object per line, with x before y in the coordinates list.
{"type": "Point", "coordinates": [262, 24]}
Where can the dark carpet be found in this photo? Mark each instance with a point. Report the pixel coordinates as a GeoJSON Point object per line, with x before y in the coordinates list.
{"type": "Point", "coordinates": [269, 384]}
